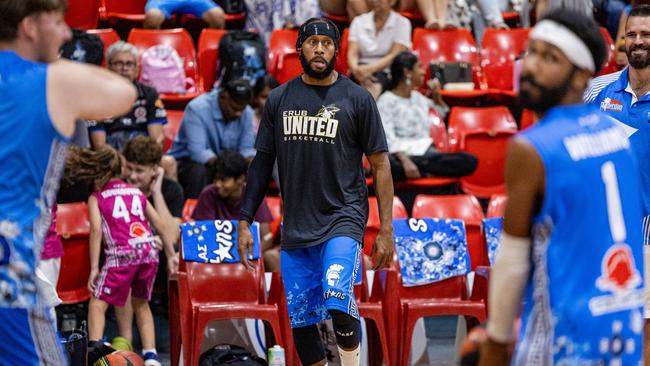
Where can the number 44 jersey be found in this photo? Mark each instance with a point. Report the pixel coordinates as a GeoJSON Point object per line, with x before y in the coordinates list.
{"type": "Point", "coordinates": [128, 239]}
{"type": "Point", "coordinates": [584, 299]}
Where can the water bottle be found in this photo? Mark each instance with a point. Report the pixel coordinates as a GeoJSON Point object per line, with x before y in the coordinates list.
{"type": "Point", "coordinates": [276, 356]}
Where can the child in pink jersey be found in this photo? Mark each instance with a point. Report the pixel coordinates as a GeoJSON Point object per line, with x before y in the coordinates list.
{"type": "Point", "coordinates": [118, 218]}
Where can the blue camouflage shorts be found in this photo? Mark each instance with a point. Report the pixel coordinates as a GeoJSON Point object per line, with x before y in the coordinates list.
{"type": "Point", "coordinates": [321, 278]}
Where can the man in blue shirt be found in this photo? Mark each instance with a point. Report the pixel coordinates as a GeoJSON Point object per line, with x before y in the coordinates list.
{"type": "Point", "coordinates": [213, 122]}
{"type": "Point", "coordinates": [41, 99]}
{"type": "Point", "coordinates": [571, 244]}
{"type": "Point", "coordinates": [625, 97]}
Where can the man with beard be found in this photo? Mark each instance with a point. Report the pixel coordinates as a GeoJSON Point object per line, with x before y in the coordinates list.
{"type": "Point", "coordinates": [572, 240]}
{"type": "Point", "coordinates": [624, 96]}
{"type": "Point", "coordinates": [319, 125]}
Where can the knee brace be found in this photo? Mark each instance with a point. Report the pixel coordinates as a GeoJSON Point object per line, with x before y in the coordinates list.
{"type": "Point", "coordinates": [308, 344]}
{"type": "Point", "coordinates": [346, 328]}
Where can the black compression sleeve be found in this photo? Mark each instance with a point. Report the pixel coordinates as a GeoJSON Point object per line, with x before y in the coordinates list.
{"type": "Point", "coordinates": [257, 182]}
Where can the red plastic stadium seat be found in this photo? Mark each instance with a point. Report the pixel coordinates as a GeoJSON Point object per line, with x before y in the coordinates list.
{"type": "Point", "coordinates": [456, 45]}
{"type": "Point", "coordinates": [483, 132]}
{"type": "Point", "coordinates": [500, 48]}
{"type": "Point", "coordinates": [188, 209]}
{"type": "Point", "coordinates": [73, 225]}
{"type": "Point", "coordinates": [283, 59]}
{"type": "Point", "coordinates": [287, 67]}
{"type": "Point", "coordinates": [527, 119]}
{"type": "Point", "coordinates": [200, 302]}
{"type": "Point", "coordinates": [180, 40]}
{"type": "Point", "coordinates": [208, 56]}
{"type": "Point", "coordinates": [170, 129]}
{"type": "Point", "coordinates": [462, 207]}
{"type": "Point", "coordinates": [129, 10]}
{"type": "Point", "coordinates": [275, 206]}
{"type": "Point", "coordinates": [497, 206]}
{"type": "Point", "coordinates": [610, 62]}
{"type": "Point", "coordinates": [277, 297]}
{"type": "Point", "coordinates": [82, 14]}
{"type": "Point", "coordinates": [372, 227]}
{"type": "Point", "coordinates": [438, 131]}
{"type": "Point", "coordinates": [282, 41]}
{"type": "Point", "coordinates": [108, 36]}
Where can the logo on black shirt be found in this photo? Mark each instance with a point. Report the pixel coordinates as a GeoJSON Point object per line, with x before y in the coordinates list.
{"type": "Point", "coordinates": [299, 126]}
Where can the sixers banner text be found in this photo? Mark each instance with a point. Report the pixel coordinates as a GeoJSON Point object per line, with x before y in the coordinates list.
{"type": "Point", "coordinates": [214, 241]}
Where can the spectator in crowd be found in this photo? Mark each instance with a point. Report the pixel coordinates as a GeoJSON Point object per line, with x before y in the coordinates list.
{"type": "Point", "coordinates": [142, 156]}
{"type": "Point", "coordinates": [147, 116]}
{"type": "Point", "coordinates": [405, 115]}
{"type": "Point", "coordinates": [122, 220]}
{"type": "Point", "coordinates": [375, 39]}
{"type": "Point", "coordinates": [621, 56]}
{"type": "Point", "coordinates": [222, 200]}
{"type": "Point", "coordinates": [625, 13]}
{"type": "Point", "coordinates": [265, 16]}
{"type": "Point", "coordinates": [475, 15]}
{"type": "Point", "coordinates": [519, 6]}
{"type": "Point", "coordinates": [434, 12]}
{"type": "Point", "coordinates": [49, 267]}
{"type": "Point", "coordinates": [156, 11]}
{"type": "Point", "coordinates": [349, 8]}
{"type": "Point", "coordinates": [262, 89]}
{"type": "Point", "coordinates": [213, 122]}
{"type": "Point", "coordinates": [543, 7]}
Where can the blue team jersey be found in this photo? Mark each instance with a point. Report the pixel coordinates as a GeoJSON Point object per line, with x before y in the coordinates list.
{"type": "Point", "coordinates": [32, 156]}
{"type": "Point", "coordinates": [617, 100]}
{"type": "Point", "coordinates": [583, 303]}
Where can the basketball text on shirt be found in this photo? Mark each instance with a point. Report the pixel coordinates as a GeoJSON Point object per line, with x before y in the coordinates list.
{"type": "Point", "coordinates": [300, 126]}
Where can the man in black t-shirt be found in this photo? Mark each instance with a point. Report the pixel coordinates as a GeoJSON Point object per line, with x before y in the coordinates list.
{"type": "Point", "coordinates": [148, 114]}
{"type": "Point", "coordinates": [319, 125]}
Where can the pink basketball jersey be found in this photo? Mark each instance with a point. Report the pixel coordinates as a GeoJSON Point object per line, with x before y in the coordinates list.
{"type": "Point", "coordinates": [128, 239]}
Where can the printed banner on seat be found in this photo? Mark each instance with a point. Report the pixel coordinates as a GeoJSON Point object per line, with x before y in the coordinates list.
{"type": "Point", "coordinates": [492, 229]}
{"type": "Point", "coordinates": [430, 250]}
{"type": "Point", "coordinates": [214, 241]}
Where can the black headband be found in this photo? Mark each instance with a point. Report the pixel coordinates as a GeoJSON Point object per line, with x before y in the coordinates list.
{"type": "Point", "coordinates": [317, 28]}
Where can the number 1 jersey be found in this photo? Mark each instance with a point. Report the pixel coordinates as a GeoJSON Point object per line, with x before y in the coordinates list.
{"type": "Point", "coordinates": [584, 299]}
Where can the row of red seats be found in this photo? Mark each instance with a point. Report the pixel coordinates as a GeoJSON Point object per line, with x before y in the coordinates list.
{"type": "Point", "coordinates": [399, 311]}
{"type": "Point", "coordinates": [86, 14]}
{"type": "Point", "coordinates": [492, 68]}
{"type": "Point", "coordinates": [198, 306]}
{"type": "Point", "coordinates": [482, 131]}
{"type": "Point", "coordinates": [463, 207]}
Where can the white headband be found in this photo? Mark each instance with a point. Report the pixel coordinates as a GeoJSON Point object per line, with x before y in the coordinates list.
{"type": "Point", "coordinates": [568, 42]}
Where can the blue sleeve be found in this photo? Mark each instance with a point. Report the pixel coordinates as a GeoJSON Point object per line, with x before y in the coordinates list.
{"type": "Point", "coordinates": [247, 137]}
{"type": "Point", "coordinates": [197, 136]}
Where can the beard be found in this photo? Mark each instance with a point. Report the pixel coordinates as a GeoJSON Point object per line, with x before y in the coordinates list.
{"type": "Point", "coordinates": [320, 75]}
{"type": "Point", "coordinates": [638, 62]}
{"type": "Point", "coordinates": [548, 97]}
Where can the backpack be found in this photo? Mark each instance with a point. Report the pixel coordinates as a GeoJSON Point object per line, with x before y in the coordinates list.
{"type": "Point", "coordinates": [242, 55]}
{"type": "Point", "coordinates": [232, 6]}
{"type": "Point", "coordinates": [162, 69]}
{"type": "Point", "coordinates": [231, 355]}
{"type": "Point", "coordinates": [83, 47]}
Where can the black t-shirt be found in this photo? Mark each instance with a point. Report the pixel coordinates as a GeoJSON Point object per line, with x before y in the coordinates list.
{"type": "Point", "coordinates": [173, 194]}
{"type": "Point", "coordinates": [147, 109]}
{"type": "Point", "coordinates": [319, 134]}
